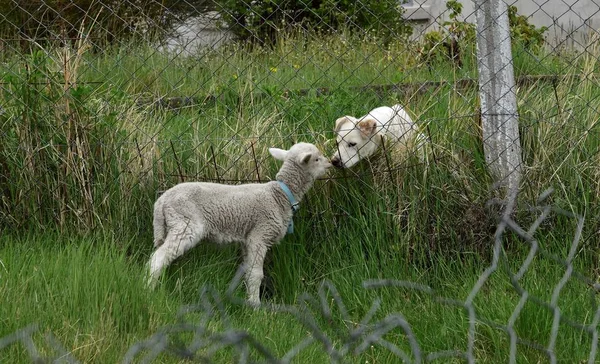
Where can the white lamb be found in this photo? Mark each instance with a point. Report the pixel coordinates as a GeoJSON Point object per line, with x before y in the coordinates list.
{"type": "Point", "coordinates": [256, 215]}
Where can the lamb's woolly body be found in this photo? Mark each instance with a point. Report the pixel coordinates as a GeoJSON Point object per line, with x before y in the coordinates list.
{"type": "Point", "coordinates": [256, 215]}
{"type": "Point", "coordinates": [226, 213]}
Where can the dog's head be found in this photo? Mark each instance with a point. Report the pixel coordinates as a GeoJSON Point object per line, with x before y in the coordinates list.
{"type": "Point", "coordinates": [305, 155]}
{"type": "Point", "coordinates": [355, 140]}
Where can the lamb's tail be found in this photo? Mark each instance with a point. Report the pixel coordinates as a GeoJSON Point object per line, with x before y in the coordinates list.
{"type": "Point", "coordinates": [159, 223]}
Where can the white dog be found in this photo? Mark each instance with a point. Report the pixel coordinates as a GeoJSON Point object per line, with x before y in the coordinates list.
{"type": "Point", "coordinates": [360, 138]}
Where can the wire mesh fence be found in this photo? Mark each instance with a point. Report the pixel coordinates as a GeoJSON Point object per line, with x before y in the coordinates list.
{"type": "Point", "coordinates": [105, 104]}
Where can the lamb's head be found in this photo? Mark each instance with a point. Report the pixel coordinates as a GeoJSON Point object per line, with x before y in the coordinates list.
{"type": "Point", "coordinates": [355, 140]}
{"type": "Point", "coordinates": [305, 155]}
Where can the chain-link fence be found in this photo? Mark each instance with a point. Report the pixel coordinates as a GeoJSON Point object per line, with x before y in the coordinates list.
{"type": "Point", "coordinates": [105, 104]}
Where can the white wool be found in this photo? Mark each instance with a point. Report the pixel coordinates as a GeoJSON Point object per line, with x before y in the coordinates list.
{"type": "Point", "coordinates": [256, 215]}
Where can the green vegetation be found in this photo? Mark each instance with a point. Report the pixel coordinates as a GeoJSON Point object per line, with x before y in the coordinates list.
{"type": "Point", "coordinates": [262, 22]}
{"type": "Point", "coordinates": [84, 154]}
{"type": "Point", "coordinates": [26, 25]}
{"type": "Point", "coordinates": [456, 37]}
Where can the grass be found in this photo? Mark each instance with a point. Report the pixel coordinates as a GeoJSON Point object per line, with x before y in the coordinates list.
{"type": "Point", "coordinates": [82, 167]}
{"type": "Point", "coordinates": [89, 293]}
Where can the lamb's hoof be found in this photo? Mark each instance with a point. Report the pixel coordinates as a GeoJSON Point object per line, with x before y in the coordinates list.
{"type": "Point", "coordinates": [255, 304]}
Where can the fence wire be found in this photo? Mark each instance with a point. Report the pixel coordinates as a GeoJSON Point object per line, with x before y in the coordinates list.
{"type": "Point", "coordinates": [104, 104]}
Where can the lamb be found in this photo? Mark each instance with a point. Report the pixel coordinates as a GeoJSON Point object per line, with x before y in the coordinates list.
{"type": "Point", "coordinates": [256, 215]}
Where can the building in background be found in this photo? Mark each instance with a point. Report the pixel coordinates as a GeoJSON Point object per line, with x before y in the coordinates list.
{"type": "Point", "coordinates": [569, 22]}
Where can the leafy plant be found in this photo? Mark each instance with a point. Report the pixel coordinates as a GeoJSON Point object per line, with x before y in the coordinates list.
{"type": "Point", "coordinates": [261, 20]}
{"type": "Point", "coordinates": [107, 20]}
{"type": "Point", "coordinates": [446, 44]}
{"type": "Point", "coordinates": [521, 31]}
{"type": "Point", "coordinates": [456, 36]}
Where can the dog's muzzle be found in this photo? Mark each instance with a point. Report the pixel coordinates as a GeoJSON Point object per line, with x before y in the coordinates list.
{"type": "Point", "coordinates": [337, 162]}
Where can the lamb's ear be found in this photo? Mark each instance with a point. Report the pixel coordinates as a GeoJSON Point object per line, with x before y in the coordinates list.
{"type": "Point", "coordinates": [304, 157]}
{"type": "Point", "coordinates": [339, 122]}
{"type": "Point", "coordinates": [278, 154]}
{"type": "Point", "coordinates": [367, 127]}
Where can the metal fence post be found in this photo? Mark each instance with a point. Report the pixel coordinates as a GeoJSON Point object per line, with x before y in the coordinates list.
{"type": "Point", "coordinates": [497, 92]}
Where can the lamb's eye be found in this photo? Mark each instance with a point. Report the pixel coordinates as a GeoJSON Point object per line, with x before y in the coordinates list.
{"type": "Point", "coordinates": [350, 145]}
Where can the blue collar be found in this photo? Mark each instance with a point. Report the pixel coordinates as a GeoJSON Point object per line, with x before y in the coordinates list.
{"type": "Point", "coordinates": [293, 202]}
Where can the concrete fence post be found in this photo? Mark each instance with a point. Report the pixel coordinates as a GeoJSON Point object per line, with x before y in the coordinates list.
{"type": "Point", "coordinates": [497, 92]}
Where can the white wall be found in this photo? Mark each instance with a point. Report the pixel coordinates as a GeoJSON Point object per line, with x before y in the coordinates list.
{"type": "Point", "coordinates": [571, 22]}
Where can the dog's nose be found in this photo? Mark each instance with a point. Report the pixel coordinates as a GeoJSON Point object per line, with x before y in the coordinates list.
{"type": "Point", "coordinates": [337, 162]}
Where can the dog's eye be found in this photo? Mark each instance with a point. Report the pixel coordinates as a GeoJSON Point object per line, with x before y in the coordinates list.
{"type": "Point", "coordinates": [350, 145]}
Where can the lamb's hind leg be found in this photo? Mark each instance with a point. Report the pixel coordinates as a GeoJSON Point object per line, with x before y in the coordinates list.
{"type": "Point", "coordinates": [253, 269]}
{"type": "Point", "coordinates": [179, 240]}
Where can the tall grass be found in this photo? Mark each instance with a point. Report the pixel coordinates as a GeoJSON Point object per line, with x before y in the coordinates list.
{"type": "Point", "coordinates": [84, 156]}
{"type": "Point", "coordinates": [76, 122]}
{"type": "Point", "coordinates": [90, 155]}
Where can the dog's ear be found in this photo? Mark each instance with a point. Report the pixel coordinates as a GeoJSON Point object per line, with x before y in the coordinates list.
{"type": "Point", "coordinates": [278, 154]}
{"type": "Point", "coordinates": [367, 127]}
{"type": "Point", "coordinates": [304, 158]}
{"type": "Point", "coordinates": [340, 121]}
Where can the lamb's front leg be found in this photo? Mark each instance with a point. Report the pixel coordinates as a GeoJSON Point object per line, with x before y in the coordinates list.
{"type": "Point", "coordinates": [256, 251]}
